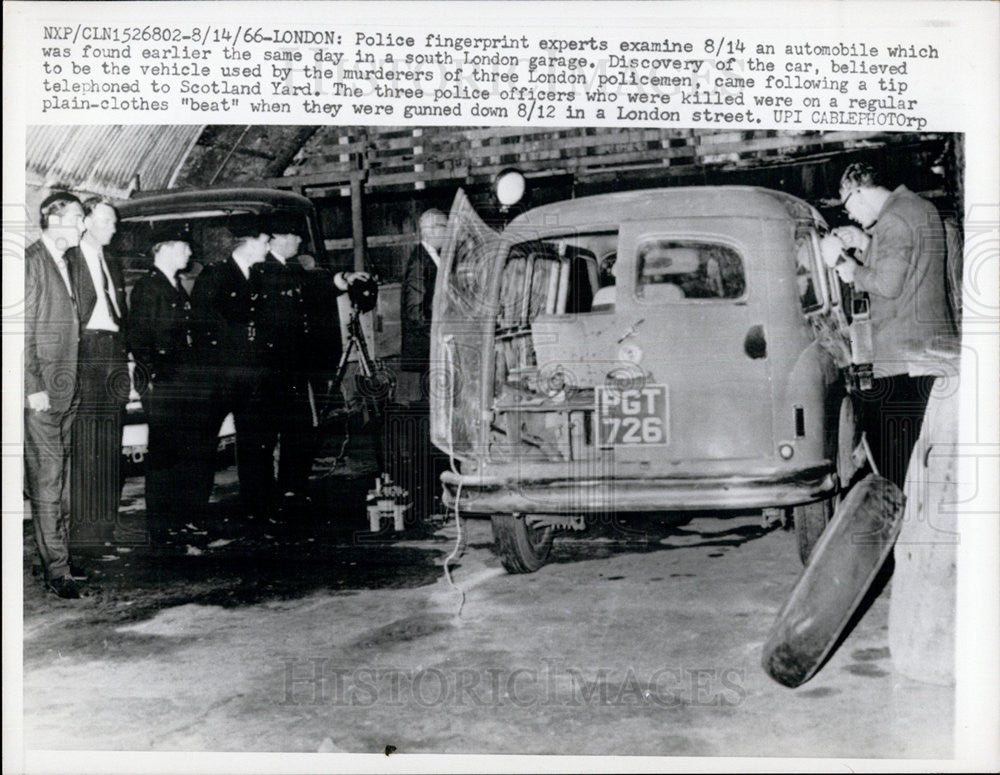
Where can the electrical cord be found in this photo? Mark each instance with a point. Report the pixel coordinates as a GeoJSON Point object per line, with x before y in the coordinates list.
{"type": "Point", "coordinates": [456, 551]}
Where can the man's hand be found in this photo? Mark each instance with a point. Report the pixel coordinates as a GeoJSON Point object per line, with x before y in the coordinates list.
{"type": "Point", "coordinates": [852, 237]}
{"type": "Point", "coordinates": [831, 247]}
{"type": "Point", "coordinates": [344, 280]}
{"type": "Point", "coordinates": [39, 402]}
{"type": "Point", "coordinates": [846, 270]}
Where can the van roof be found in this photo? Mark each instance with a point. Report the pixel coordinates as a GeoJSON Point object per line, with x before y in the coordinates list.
{"type": "Point", "coordinates": [678, 202]}
{"type": "Point", "coordinates": [254, 200]}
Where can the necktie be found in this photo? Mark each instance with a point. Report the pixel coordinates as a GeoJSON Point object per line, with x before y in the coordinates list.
{"type": "Point", "coordinates": [108, 297]}
{"type": "Point", "coordinates": [66, 271]}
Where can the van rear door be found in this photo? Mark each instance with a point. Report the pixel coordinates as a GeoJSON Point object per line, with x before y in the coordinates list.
{"type": "Point", "coordinates": [462, 333]}
{"type": "Point", "coordinates": [692, 302]}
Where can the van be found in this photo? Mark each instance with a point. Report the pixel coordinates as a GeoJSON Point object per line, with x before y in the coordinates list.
{"type": "Point", "coordinates": [646, 351]}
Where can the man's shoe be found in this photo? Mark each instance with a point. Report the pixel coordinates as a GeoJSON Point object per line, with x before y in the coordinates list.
{"type": "Point", "coordinates": [64, 587]}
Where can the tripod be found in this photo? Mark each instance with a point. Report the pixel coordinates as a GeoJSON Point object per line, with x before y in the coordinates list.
{"type": "Point", "coordinates": [375, 384]}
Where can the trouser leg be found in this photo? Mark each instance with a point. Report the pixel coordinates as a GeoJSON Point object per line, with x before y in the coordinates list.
{"type": "Point", "coordinates": [46, 458]}
{"type": "Point", "coordinates": [892, 414]}
{"type": "Point", "coordinates": [97, 437]}
{"type": "Point", "coordinates": [167, 495]}
{"type": "Point", "coordinates": [298, 438]}
{"type": "Point", "coordinates": [255, 440]}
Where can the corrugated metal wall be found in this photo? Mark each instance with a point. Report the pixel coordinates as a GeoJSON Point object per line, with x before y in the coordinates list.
{"type": "Point", "coordinates": [110, 160]}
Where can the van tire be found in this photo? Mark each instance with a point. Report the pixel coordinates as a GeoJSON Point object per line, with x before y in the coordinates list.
{"type": "Point", "coordinates": [810, 521]}
{"type": "Point", "coordinates": [522, 549]}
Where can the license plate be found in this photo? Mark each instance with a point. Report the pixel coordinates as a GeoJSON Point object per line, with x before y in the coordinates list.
{"type": "Point", "coordinates": [632, 416]}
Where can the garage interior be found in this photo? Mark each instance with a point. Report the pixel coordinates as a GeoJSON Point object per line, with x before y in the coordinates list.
{"type": "Point", "coordinates": [640, 637]}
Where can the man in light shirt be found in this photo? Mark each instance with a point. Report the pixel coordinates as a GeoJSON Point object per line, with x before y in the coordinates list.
{"type": "Point", "coordinates": [103, 379]}
{"type": "Point", "coordinates": [50, 364]}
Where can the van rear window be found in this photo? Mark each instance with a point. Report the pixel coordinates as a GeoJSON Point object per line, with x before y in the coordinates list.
{"type": "Point", "coordinates": [676, 270]}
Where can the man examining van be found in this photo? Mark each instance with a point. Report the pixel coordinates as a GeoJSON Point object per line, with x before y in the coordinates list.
{"type": "Point", "coordinates": [901, 242]}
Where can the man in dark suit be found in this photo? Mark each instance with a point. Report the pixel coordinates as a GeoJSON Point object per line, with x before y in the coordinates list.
{"type": "Point", "coordinates": [160, 338]}
{"type": "Point", "coordinates": [417, 465]}
{"type": "Point", "coordinates": [225, 341]}
{"type": "Point", "coordinates": [103, 378]}
{"type": "Point", "coordinates": [51, 341]}
{"type": "Point", "coordinates": [417, 298]}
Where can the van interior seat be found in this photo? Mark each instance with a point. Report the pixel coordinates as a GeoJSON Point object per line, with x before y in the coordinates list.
{"type": "Point", "coordinates": [664, 292]}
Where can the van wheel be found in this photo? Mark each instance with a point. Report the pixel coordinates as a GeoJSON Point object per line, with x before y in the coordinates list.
{"type": "Point", "coordinates": [522, 548]}
{"type": "Point", "coordinates": [810, 521]}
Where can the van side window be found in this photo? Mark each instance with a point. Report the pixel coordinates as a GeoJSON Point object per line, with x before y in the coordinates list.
{"type": "Point", "coordinates": [807, 268]}
{"type": "Point", "coordinates": [676, 270]}
{"type": "Point", "coordinates": [554, 276]}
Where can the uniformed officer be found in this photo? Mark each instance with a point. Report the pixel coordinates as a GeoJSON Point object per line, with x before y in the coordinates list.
{"type": "Point", "coordinates": [161, 341]}
{"type": "Point", "coordinates": [227, 348]}
{"type": "Point", "coordinates": [281, 318]}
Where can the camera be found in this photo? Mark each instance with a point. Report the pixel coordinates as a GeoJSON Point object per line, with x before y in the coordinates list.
{"type": "Point", "coordinates": [363, 294]}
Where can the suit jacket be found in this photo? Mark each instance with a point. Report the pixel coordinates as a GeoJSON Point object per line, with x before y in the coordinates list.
{"type": "Point", "coordinates": [220, 304]}
{"type": "Point", "coordinates": [417, 302]}
{"type": "Point", "coordinates": [52, 330]}
{"type": "Point", "coordinates": [86, 293]}
{"type": "Point", "coordinates": [903, 273]}
{"type": "Point", "coordinates": [159, 326]}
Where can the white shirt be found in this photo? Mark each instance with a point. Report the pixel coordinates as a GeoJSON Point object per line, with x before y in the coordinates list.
{"type": "Point", "coordinates": [60, 259]}
{"type": "Point", "coordinates": [171, 280]}
{"type": "Point", "coordinates": [432, 252]}
{"type": "Point", "coordinates": [100, 318]}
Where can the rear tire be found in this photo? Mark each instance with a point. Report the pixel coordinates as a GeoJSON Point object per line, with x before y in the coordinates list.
{"type": "Point", "coordinates": [810, 521]}
{"type": "Point", "coordinates": [522, 549]}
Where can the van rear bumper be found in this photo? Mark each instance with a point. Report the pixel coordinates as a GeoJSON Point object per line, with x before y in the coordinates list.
{"type": "Point", "coordinates": [492, 493]}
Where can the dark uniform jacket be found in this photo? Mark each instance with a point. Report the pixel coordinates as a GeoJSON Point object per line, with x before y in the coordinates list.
{"type": "Point", "coordinates": [320, 296]}
{"type": "Point", "coordinates": [52, 330]}
{"type": "Point", "coordinates": [279, 315]}
{"type": "Point", "coordinates": [159, 326]}
{"type": "Point", "coordinates": [416, 305]}
{"type": "Point", "coordinates": [221, 303]}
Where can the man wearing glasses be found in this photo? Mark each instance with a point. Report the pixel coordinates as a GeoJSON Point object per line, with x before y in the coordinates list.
{"type": "Point", "coordinates": [902, 268]}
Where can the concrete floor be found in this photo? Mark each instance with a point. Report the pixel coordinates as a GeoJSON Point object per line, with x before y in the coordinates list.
{"type": "Point", "coordinates": [316, 637]}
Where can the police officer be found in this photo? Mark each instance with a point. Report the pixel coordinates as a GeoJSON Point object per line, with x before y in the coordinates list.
{"type": "Point", "coordinates": [281, 318]}
{"type": "Point", "coordinates": [160, 338]}
{"type": "Point", "coordinates": [227, 348]}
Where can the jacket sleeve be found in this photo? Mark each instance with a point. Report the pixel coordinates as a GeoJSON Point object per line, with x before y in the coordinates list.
{"type": "Point", "coordinates": [141, 325]}
{"type": "Point", "coordinates": [413, 292]}
{"type": "Point", "coordinates": [33, 382]}
{"type": "Point", "coordinates": [207, 319]}
{"type": "Point", "coordinates": [888, 260]}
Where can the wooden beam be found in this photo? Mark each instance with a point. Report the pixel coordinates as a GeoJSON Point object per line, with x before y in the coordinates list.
{"type": "Point", "coordinates": [357, 219]}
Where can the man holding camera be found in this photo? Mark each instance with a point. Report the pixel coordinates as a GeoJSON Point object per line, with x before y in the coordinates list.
{"type": "Point", "coordinates": [291, 344]}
